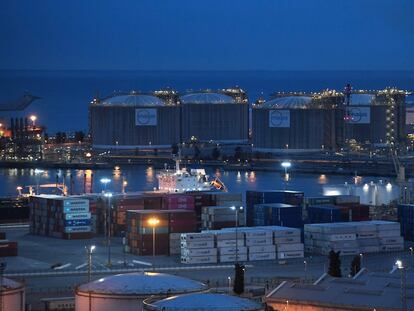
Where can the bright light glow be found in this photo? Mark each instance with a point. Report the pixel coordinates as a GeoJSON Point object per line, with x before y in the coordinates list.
{"type": "Point", "coordinates": [19, 188]}
{"type": "Point", "coordinates": [332, 192]}
{"type": "Point", "coordinates": [388, 187]}
{"type": "Point", "coordinates": [38, 171]}
{"type": "Point", "coordinates": [108, 194]}
{"type": "Point", "coordinates": [153, 222]}
{"type": "Point", "coordinates": [33, 118]}
{"type": "Point", "coordinates": [88, 155]}
{"type": "Point", "coordinates": [365, 187]}
{"type": "Point", "coordinates": [105, 180]}
{"type": "Point", "coordinates": [399, 264]}
{"type": "Point", "coordinates": [286, 164]}
{"type": "Point", "coordinates": [92, 248]}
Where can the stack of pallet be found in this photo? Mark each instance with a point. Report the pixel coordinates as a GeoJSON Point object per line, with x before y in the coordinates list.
{"type": "Point", "coordinates": [198, 248]}
{"type": "Point", "coordinates": [352, 238]}
{"type": "Point", "coordinates": [61, 217]}
{"type": "Point", "coordinates": [219, 217]}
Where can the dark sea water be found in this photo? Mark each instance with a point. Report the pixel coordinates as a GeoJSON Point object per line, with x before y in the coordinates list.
{"type": "Point", "coordinates": [143, 178]}
{"type": "Point", "coordinates": [66, 94]}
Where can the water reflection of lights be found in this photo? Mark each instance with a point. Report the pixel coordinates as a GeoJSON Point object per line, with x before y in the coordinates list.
{"type": "Point", "coordinates": [322, 179]}
{"type": "Point", "coordinates": [332, 192]}
{"type": "Point", "coordinates": [388, 187]}
{"type": "Point", "coordinates": [238, 177]}
{"type": "Point", "coordinates": [150, 174]}
{"type": "Point", "coordinates": [252, 177]}
{"type": "Point", "coordinates": [218, 173]}
{"type": "Point", "coordinates": [286, 177]}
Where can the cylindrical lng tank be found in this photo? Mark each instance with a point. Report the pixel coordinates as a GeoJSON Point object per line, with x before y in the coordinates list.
{"type": "Point", "coordinates": [133, 121]}
{"type": "Point", "coordinates": [214, 117]}
{"type": "Point", "coordinates": [12, 295]}
{"type": "Point", "coordinates": [126, 292]}
{"type": "Point", "coordinates": [203, 302]}
{"type": "Point", "coordinates": [293, 123]}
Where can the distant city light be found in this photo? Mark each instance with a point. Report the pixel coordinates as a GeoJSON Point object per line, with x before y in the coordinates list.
{"type": "Point", "coordinates": [286, 164]}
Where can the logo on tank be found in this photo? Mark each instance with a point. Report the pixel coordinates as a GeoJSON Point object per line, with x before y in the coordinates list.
{"type": "Point", "coordinates": [279, 118]}
{"type": "Point", "coordinates": [145, 117]}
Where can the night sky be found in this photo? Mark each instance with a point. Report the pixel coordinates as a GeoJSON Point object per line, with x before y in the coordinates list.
{"type": "Point", "coordinates": [207, 35]}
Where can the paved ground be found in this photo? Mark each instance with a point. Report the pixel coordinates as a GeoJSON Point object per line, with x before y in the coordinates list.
{"type": "Point", "coordinates": [38, 254]}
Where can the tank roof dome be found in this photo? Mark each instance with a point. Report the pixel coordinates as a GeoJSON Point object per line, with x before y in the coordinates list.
{"type": "Point", "coordinates": [133, 100]}
{"type": "Point", "coordinates": [206, 98]}
{"type": "Point", "coordinates": [207, 302]}
{"type": "Point", "coordinates": [289, 102]}
{"type": "Point", "coordinates": [148, 283]}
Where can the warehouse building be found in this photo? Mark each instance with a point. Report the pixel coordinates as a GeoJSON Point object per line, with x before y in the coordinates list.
{"type": "Point", "coordinates": [294, 122]}
{"type": "Point", "coordinates": [213, 117]}
{"type": "Point", "coordinates": [133, 121]}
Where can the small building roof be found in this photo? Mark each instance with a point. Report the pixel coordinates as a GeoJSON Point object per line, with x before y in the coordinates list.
{"type": "Point", "coordinates": [367, 291]}
{"type": "Point", "coordinates": [206, 302]}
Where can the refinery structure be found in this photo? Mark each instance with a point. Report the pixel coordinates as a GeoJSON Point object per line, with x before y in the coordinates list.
{"type": "Point", "coordinates": [296, 121]}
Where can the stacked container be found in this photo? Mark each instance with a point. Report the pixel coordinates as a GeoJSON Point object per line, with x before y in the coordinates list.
{"type": "Point", "coordinates": [261, 197]}
{"type": "Point", "coordinates": [140, 232]}
{"type": "Point", "coordinates": [352, 238]}
{"type": "Point", "coordinates": [337, 213]}
{"type": "Point", "coordinates": [406, 219]}
{"type": "Point", "coordinates": [218, 217]}
{"type": "Point", "coordinates": [198, 248]}
{"type": "Point", "coordinates": [277, 214]}
{"type": "Point", "coordinates": [61, 217]}
{"type": "Point", "coordinates": [260, 244]}
{"type": "Point", "coordinates": [230, 246]}
{"type": "Point", "coordinates": [7, 248]}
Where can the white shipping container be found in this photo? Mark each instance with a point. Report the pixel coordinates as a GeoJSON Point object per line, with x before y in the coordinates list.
{"type": "Point", "coordinates": [199, 260]}
{"type": "Point", "coordinates": [191, 252]}
{"type": "Point", "coordinates": [230, 243]}
{"type": "Point", "coordinates": [392, 247]}
{"type": "Point", "coordinates": [197, 237]}
{"type": "Point", "coordinates": [232, 258]}
{"type": "Point", "coordinates": [389, 233]}
{"type": "Point", "coordinates": [367, 234]}
{"type": "Point", "coordinates": [76, 208]}
{"type": "Point", "coordinates": [391, 240]}
{"type": "Point", "coordinates": [341, 237]}
{"type": "Point", "coordinates": [259, 241]}
{"type": "Point", "coordinates": [226, 235]}
{"type": "Point", "coordinates": [369, 249]}
{"type": "Point", "coordinates": [254, 234]}
{"type": "Point", "coordinates": [284, 240]}
{"type": "Point", "coordinates": [291, 254]}
{"type": "Point", "coordinates": [232, 250]}
{"type": "Point", "coordinates": [289, 247]}
{"type": "Point", "coordinates": [262, 256]}
{"type": "Point", "coordinates": [197, 244]}
{"type": "Point", "coordinates": [261, 249]}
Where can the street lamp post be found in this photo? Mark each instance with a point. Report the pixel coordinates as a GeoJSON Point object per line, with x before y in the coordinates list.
{"type": "Point", "coordinates": [362, 260]}
{"type": "Point", "coordinates": [400, 266]}
{"type": "Point", "coordinates": [105, 181]}
{"type": "Point", "coordinates": [108, 233]}
{"type": "Point", "coordinates": [305, 266]}
{"type": "Point", "coordinates": [237, 209]}
{"type": "Point", "coordinates": [153, 222]}
{"type": "Point", "coordinates": [89, 250]}
{"type": "Point", "coordinates": [33, 118]}
{"type": "Point", "coordinates": [286, 165]}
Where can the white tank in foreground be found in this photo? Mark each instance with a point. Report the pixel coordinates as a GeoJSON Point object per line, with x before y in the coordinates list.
{"type": "Point", "coordinates": [126, 292]}
{"type": "Point", "coordinates": [202, 302]}
{"type": "Point", "coordinates": [12, 295]}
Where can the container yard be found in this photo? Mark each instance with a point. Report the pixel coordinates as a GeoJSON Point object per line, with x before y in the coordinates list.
{"type": "Point", "coordinates": [60, 217]}
{"type": "Point", "coordinates": [353, 238]}
{"type": "Point", "coordinates": [241, 244]}
{"type": "Point", "coordinates": [269, 196]}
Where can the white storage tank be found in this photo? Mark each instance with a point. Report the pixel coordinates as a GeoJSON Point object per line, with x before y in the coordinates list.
{"type": "Point", "coordinates": [125, 292]}
{"type": "Point", "coordinates": [13, 295]}
{"type": "Point", "coordinates": [203, 302]}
